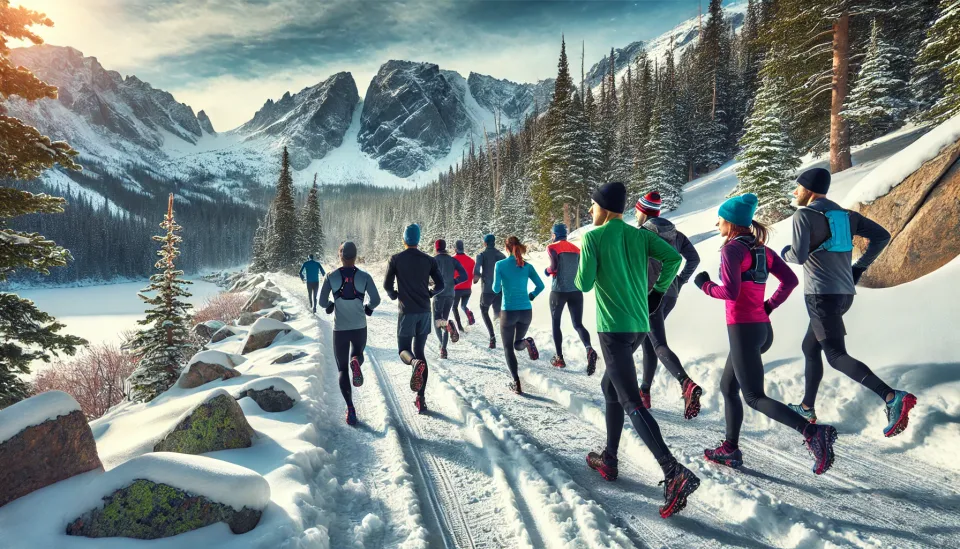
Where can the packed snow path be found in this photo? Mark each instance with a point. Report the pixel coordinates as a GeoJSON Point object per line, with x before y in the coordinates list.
{"type": "Point", "coordinates": [487, 468]}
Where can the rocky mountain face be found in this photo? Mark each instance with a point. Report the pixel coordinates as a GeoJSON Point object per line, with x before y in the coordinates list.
{"type": "Point", "coordinates": [515, 101]}
{"type": "Point", "coordinates": [411, 116]}
{"type": "Point", "coordinates": [312, 122]}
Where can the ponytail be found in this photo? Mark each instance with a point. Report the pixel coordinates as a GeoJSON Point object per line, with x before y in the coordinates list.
{"type": "Point", "coordinates": [516, 249]}
{"type": "Point", "coordinates": [759, 231]}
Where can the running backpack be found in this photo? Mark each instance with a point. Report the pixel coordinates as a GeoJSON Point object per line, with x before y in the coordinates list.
{"type": "Point", "coordinates": [758, 272]}
{"type": "Point", "coordinates": [840, 239]}
{"type": "Point", "coordinates": [348, 287]}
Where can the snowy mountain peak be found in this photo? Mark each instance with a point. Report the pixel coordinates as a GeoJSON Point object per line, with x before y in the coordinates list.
{"type": "Point", "coordinates": [205, 123]}
{"type": "Point", "coordinates": [515, 101]}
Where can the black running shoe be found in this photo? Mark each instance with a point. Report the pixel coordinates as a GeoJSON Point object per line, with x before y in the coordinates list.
{"type": "Point", "coordinates": [357, 373]}
{"type": "Point", "coordinates": [603, 464]}
{"type": "Point", "coordinates": [591, 361]}
{"type": "Point", "coordinates": [532, 349]}
{"type": "Point", "coordinates": [493, 343]}
{"type": "Point", "coordinates": [416, 380]}
{"type": "Point", "coordinates": [515, 387]}
{"type": "Point", "coordinates": [677, 489]}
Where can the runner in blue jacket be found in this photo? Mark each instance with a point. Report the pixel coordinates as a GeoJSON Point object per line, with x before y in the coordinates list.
{"type": "Point", "coordinates": [512, 276]}
{"type": "Point", "coordinates": [310, 272]}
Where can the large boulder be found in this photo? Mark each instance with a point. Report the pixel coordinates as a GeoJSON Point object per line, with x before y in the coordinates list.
{"type": "Point", "coordinates": [43, 439]}
{"type": "Point", "coordinates": [246, 282]}
{"type": "Point", "coordinates": [216, 424]}
{"type": "Point", "coordinates": [263, 298]}
{"type": "Point", "coordinates": [277, 314]}
{"type": "Point", "coordinates": [224, 333]}
{"type": "Point", "coordinates": [289, 357]}
{"type": "Point", "coordinates": [207, 366]}
{"type": "Point", "coordinates": [205, 330]}
{"type": "Point", "coordinates": [263, 333]}
{"type": "Point", "coordinates": [161, 495]}
{"type": "Point", "coordinates": [272, 394]}
{"type": "Point", "coordinates": [922, 212]}
{"type": "Point", "coordinates": [246, 319]}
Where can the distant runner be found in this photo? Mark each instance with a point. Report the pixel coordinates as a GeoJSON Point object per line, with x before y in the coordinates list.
{"type": "Point", "coordinates": [453, 273]}
{"type": "Point", "coordinates": [483, 272]}
{"type": "Point", "coordinates": [462, 292]}
{"type": "Point", "coordinates": [310, 272]}
{"type": "Point", "coordinates": [564, 260]}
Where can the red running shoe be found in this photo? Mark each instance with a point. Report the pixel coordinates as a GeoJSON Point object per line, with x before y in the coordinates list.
{"type": "Point", "coordinates": [443, 352]}
{"type": "Point", "coordinates": [493, 343]}
{"type": "Point", "coordinates": [645, 398]}
{"type": "Point", "coordinates": [603, 464]}
{"type": "Point", "coordinates": [416, 381]}
{"type": "Point", "coordinates": [691, 399]}
{"type": "Point", "coordinates": [351, 416]}
{"type": "Point", "coordinates": [725, 454]}
{"type": "Point", "coordinates": [532, 349]}
{"type": "Point", "coordinates": [420, 403]}
{"type": "Point", "coordinates": [452, 330]}
{"type": "Point", "coordinates": [355, 369]}
{"type": "Point", "coordinates": [470, 318]}
{"type": "Point", "coordinates": [558, 361]}
{"type": "Point", "coordinates": [677, 489]}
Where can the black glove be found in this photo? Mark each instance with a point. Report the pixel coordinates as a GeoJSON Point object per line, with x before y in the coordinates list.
{"type": "Point", "coordinates": [767, 308]}
{"type": "Point", "coordinates": [531, 296]}
{"type": "Point", "coordinates": [653, 301]}
{"type": "Point", "coordinates": [701, 279]}
{"type": "Point", "coordinates": [329, 308]}
{"type": "Point", "coordinates": [783, 252]}
{"type": "Point", "coordinates": [857, 273]}
{"type": "Point", "coordinates": [367, 310]}
{"type": "Point", "coordinates": [546, 272]}
{"type": "Point", "coordinates": [393, 295]}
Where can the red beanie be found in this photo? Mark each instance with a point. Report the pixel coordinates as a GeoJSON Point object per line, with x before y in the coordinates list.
{"type": "Point", "coordinates": [649, 204]}
{"type": "Point", "coordinates": [440, 245]}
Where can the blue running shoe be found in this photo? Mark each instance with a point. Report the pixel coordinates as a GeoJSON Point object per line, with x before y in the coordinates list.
{"type": "Point", "coordinates": [820, 441]}
{"type": "Point", "coordinates": [725, 454]}
{"type": "Point", "coordinates": [898, 413]}
{"type": "Point", "coordinates": [351, 416]}
{"type": "Point", "coordinates": [809, 415]}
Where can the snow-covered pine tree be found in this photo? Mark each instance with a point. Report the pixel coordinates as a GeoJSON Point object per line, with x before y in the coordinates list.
{"type": "Point", "coordinates": [258, 259]}
{"type": "Point", "coordinates": [941, 51]}
{"type": "Point", "coordinates": [312, 238]}
{"type": "Point", "coordinates": [876, 105]}
{"type": "Point", "coordinates": [768, 159]}
{"type": "Point", "coordinates": [662, 170]}
{"type": "Point", "coordinates": [282, 240]}
{"type": "Point", "coordinates": [26, 333]}
{"type": "Point", "coordinates": [162, 347]}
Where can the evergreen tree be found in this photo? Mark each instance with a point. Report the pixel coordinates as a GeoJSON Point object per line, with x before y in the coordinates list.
{"type": "Point", "coordinates": [258, 262]}
{"type": "Point", "coordinates": [941, 50]}
{"type": "Point", "coordinates": [876, 105]}
{"type": "Point", "coordinates": [161, 349]}
{"type": "Point", "coordinates": [312, 239]}
{"type": "Point", "coordinates": [26, 333]}
{"type": "Point", "coordinates": [767, 157]}
{"type": "Point", "coordinates": [283, 238]}
{"type": "Point", "coordinates": [663, 170]}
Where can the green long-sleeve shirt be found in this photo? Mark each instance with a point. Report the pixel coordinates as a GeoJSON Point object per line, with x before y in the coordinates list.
{"type": "Point", "coordinates": [613, 259]}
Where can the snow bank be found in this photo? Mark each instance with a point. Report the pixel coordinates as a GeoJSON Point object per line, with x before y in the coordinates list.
{"type": "Point", "coordinates": [217, 480]}
{"type": "Point", "coordinates": [267, 325]}
{"type": "Point", "coordinates": [276, 383]}
{"type": "Point", "coordinates": [34, 411]}
{"type": "Point", "coordinates": [899, 166]}
{"type": "Point", "coordinates": [227, 360]}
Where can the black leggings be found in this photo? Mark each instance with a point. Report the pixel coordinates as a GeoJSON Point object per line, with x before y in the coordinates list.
{"type": "Point", "coordinates": [441, 312]}
{"type": "Point", "coordinates": [416, 346]}
{"type": "Point", "coordinates": [460, 301]}
{"type": "Point", "coordinates": [513, 329]}
{"type": "Point", "coordinates": [312, 289]}
{"type": "Point", "coordinates": [487, 301]}
{"type": "Point", "coordinates": [574, 301]}
{"type": "Point", "coordinates": [622, 394]}
{"type": "Point", "coordinates": [836, 350]}
{"type": "Point", "coordinates": [655, 346]}
{"type": "Point", "coordinates": [744, 371]}
{"type": "Point", "coordinates": [348, 344]}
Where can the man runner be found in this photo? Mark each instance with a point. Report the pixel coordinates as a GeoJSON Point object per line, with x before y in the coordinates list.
{"type": "Point", "coordinates": [564, 260]}
{"type": "Point", "coordinates": [453, 273]}
{"type": "Point", "coordinates": [483, 271]}
{"type": "Point", "coordinates": [310, 272]}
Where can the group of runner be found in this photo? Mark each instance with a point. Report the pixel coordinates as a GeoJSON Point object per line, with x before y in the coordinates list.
{"type": "Point", "coordinates": [636, 275]}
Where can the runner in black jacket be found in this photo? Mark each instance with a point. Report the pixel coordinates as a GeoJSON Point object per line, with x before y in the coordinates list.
{"type": "Point", "coordinates": [483, 272]}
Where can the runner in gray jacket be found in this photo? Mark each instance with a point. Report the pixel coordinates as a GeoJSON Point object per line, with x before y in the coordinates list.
{"type": "Point", "coordinates": [349, 286]}
{"type": "Point", "coordinates": [823, 243]}
{"type": "Point", "coordinates": [483, 271]}
{"type": "Point", "coordinates": [452, 273]}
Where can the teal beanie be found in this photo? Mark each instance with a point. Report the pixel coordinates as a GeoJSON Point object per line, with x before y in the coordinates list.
{"type": "Point", "coordinates": [411, 235]}
{"type": "Point", "coordinates": [739, 210]}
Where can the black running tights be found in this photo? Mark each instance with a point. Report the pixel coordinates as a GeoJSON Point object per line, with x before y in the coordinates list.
{"type": "Point", "coordinates": [655, 346]}
{"type": "Point", "coordinates": [836, 350]}
{"type": "Point", "coordinates": [513, 330]}
{"type": "Point", "coordinates": [347, 344]}
{"type": "Point", "coordinates": [574, 302]}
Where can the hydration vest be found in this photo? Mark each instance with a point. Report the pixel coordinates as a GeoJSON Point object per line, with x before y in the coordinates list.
{"type": "Point", "coordinates": [840, 239]}
{"type": "Point", "coordinates": [348, 287]}
{"type": "Point", "coordinates": [758, 271]}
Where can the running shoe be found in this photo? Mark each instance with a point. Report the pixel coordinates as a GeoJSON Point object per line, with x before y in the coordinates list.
{"type": "Point", "coordinates": [355, 369]}
{"type": "Point", "coordinates": [691, 399]}
{"type": "Point", "coordinates": [443, 352]}
{"type": "Point", "coordinates": [416, 381]}
{"type": "Point", "coordinates": [676, 489]}
{"type": "Point", "coordinates": [819, 441]}
{"type": "Point", "coordinates": [493, 343]}
{"type": "Point", "coordinates": [471, 320]}
{"type": "Point", "coordinates": [603, 464]}
{"type": "Point", "coordinates": [532, 349]}
{"type": "Point", "coordinates": [809, 415]}
{"type": "Point", "coordinates": [452, 330]}
{"type": "Point", "coordinates": [558, 362]}
{"type": "Point", "coordinates": [898, 413]}
{"type": "Point", "coordinates": [515, 387]}
{"type": "Point", "coordinates": [645, 398]}
{"type": "Point", "coordinates": [351, 416]}
{"type": "Point", "coordinates": [725, 454]}
{"type": "Point", "coordinates": [591, 361]}
{"type": "Point", "coordinates": [421, 404]}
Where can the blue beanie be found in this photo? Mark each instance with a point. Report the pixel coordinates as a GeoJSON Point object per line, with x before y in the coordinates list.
{"type": "Point", "coordinates": [489, 239]}
{"type": "Point", "coordinates": [739, 210]}
{"type": "Point", "coordinates": [560, 231]}
{"type": "Point", "coordinates": [411, 235]}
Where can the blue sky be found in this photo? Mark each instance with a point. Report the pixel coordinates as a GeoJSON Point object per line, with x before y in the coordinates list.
{"type": "Point", "coordinates": [229, 56]}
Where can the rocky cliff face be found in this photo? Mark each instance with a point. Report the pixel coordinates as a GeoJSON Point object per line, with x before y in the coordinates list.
{"type": "Point", "coordinates": [515, 101]}
{"type": "Point", "coordinates": [312, 122]}
{"type": "Point", "coordinates": [411, 116]}
{"type": "Point", "coordinates": [205, 123]}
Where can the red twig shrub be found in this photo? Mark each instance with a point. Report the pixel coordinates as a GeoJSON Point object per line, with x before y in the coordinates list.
{"type": "Point", "coordinates": [223, 307]}
{"type": "Point", "coordinates": [96, 377]}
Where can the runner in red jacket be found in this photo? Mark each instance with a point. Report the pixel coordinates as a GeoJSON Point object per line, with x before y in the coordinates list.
{"type": "Point", "coordinates": [463, 290]}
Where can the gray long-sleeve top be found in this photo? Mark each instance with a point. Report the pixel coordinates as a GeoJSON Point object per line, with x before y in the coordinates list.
{"type": "Point", "coordinates": [452, 272]}
{"type": "Point", "coordinates": [348, 314]}
{"type": "Point", "coordinates": [830, 272]}
{"type": "Point", "coordinates": [679, 241]}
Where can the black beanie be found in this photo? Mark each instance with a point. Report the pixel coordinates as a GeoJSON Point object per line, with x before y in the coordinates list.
{"type": "Point", "coordinates": [815, 180]}
{"type": "Point", "coordinates": [611, 197]}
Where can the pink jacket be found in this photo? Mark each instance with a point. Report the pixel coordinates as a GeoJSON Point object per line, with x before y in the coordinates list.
{"type": "Point", "coordinates": [744, 299]}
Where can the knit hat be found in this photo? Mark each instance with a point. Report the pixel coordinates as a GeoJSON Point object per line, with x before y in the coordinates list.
{"type": "Point", "coordinates": [649, 204]}
{"type": "Point", "coordinates": [440, 245]}
{"type": "Point", "coordinates": [611, 197]}
{"type": "Point", "coordinates": [815, 180]}
{"type": "Point", "coordinates": [459, 246]}
{"type": "Point", "coordinates": [560, 231]}
{"type": "Point", "coordinates": [739, 210]}
{"type": "Point", "coordinates": [489, 239]}
{"type": "Point", "coordinates": [348, 250]}
{"type": "Point", "coordinates": [411, 235]}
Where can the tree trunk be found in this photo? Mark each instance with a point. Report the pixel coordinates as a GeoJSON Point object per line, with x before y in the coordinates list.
{"type": "Point", "coordinates": [566, 215]}
{"type": "Point", "coordinates": [839, 131]}
{"type": "Point", "coordinates": [690, 171]}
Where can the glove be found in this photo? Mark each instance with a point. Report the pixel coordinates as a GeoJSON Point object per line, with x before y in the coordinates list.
{"type": "Point", "coordinates": [393, 295]}
{"type": "Point", "coordinates": [783, 252]}
{"type": "Point", "coordinates": [367, 310]}
{"type": "Point", "coordinates": [857, 273]}
{"type": "Point", "coordinates": [653, 301]}
{"type": "Point", "coordinates": [702, 278]}
{"type": "Point", "coordinates": [546, 272]}
{"type": "Point", "coordinates": [532, 296]}
{"type": "Point", "coordinates": [329, 308]}
{"type": "Point", "coordinates": [767, 308]}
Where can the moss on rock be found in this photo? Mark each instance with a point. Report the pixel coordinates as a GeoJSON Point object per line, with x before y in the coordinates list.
{"type": "Point", "coordinates": [217, 424]}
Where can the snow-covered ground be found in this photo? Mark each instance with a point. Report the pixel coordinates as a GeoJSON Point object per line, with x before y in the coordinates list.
{"type": "Point", "coordinates": [485, 468]}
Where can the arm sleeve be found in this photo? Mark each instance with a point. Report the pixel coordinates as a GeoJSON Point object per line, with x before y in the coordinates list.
{"type": "Point", "coordinates": [537, 282]}
{"type": "Point", "coordinates": [691, 259]}
{"type": "Point", "coordinates": [476, 269]}
{"type": "Point", "coordinates": [373, 296]}
{"type": "Point", "coordinates": [786, 276]}
{"type": "Point", "coordinates": [587, 270]}
{"type": "Point", "coordinates": [552, 254]}
{"type": "Point", "coordinates": [658, 249]}
{"type": "Point", "coordinates": [391, 278]}
{"type": "Point", "coordinates": [873, 232]}
{"type": "Point", "coordinates": [322, 272]}
{"type": "Point", "coordinates": [302, 267]}
{"type": "Point", "coordinates": [436, 277]}
{"type": "Point", "coordinates": [497, 283]}
{"type": "Point", "coordinates": [799, 249]}
{"type": "Point", "coordinates": [459, 273]}
{"type": "Point", "coordinates": [731, 257]}
{"type": "Point", "coordinates": [324, 300]}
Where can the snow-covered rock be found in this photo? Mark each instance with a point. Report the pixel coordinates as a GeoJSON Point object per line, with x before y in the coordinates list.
{"type": "Point", "coordinates": [215, 424]}
{"type": "Point", "coordinates": [222, 333]}
{"type": "Point", "coordinates": [263, 298]}
{"type": "Point", "coordinates": [205, 330]}
{"type": "Point", "coordinates": [272, 394]}
{"type": "Point", "coordinates": [515, 101]}
{"type": "Point", "coordinates": [43, 440]}
{"type": "Point", "coordinates": [207, 366]}
{"type": "Point", "coordinates": [263, 332]}
{"type": "Point", "coordinates": [205, 123]}
{"type": "Point", "coordinates": [289, 357]}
